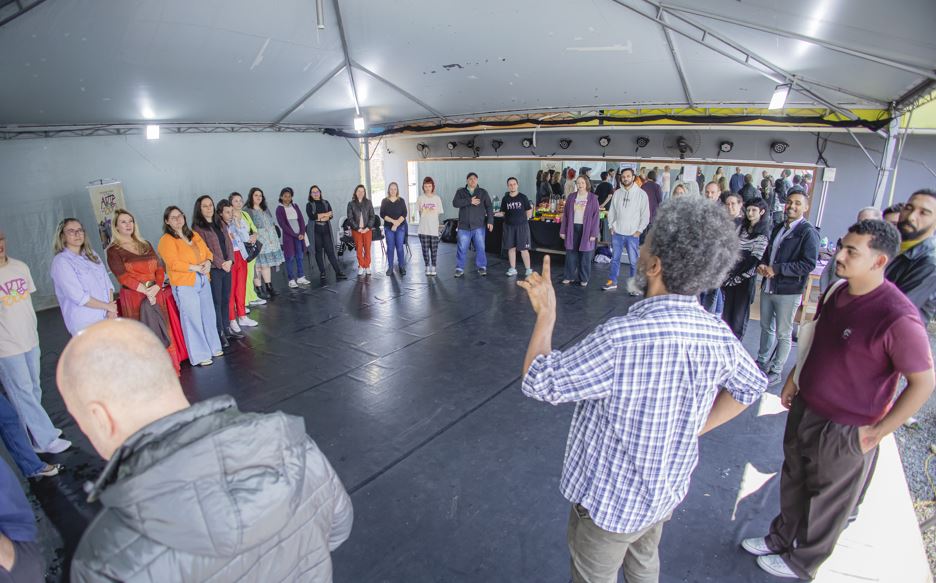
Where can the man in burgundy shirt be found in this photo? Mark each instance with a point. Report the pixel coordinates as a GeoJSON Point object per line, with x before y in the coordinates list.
{"type": "Point", "coordinates": [867, 334]}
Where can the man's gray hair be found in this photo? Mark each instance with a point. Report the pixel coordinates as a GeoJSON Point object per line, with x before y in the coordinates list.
{"type": "Point", "coordinates": [697, 244]}
{"type": "Point", "coordinates": [874, 211]}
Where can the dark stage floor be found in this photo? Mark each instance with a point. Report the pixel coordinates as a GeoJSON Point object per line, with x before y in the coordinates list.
{"type": "Point", "coordinates": [411, 388]}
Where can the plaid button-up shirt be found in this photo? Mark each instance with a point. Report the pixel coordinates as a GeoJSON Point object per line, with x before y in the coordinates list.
{"type": "Point", "coordinates": [644, 384]}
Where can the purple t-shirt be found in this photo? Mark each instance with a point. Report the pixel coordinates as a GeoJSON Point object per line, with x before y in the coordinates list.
{"type": "Point", "coordinates": [861, 346]}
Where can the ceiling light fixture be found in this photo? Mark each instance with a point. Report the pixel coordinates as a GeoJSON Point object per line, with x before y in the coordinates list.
{"type": "Point", "coordinates": [604, 141]}
{"type": "Point", "coordinates": [779, 96]}
{"type": "Point", "coordinates": [152, 132]}
{"type": "Point", "coordinates": [779, 147]}
{"type": "Point", "coordinates": [451, 145]}
{"type": "Point", "coordinates": [642, 142]}
{"type": "Point", "coordinates": [564, 143]}
{"type": "Point", "coordinates": [725, 146]}
{"type": "Point", "coordinates": [359, 123]}
{"type": "Point", "coordinates": [496, 144]}
{"type": "Point", "coordinates": [526, 142]}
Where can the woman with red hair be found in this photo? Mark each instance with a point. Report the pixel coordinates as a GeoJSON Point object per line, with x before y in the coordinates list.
{"type": "Point", "coordinates": [430, 210]}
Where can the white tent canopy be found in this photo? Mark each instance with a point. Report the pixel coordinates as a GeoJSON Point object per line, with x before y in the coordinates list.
{"type": "Point", "coordinates": [251, 62]}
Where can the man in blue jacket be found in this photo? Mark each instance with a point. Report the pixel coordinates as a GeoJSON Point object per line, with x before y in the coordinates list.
{"type": "Point", "coordinates": [474, 212]}
{"type": "Point", "coordinates": [790, 257]}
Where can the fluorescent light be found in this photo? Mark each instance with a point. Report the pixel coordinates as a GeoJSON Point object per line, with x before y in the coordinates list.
{"type": "Point", "coordinates": [320, 13]}
{"type": "Point", "coordinates": [152, 132]}
{"type": "Point", "coordinates": [359, 123]}
{"type": "Point", "coordinates": [779, 96]}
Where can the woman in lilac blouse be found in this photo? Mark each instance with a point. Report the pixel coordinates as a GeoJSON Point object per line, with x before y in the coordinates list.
{"type": "Point", "coordinates": [83, 288]}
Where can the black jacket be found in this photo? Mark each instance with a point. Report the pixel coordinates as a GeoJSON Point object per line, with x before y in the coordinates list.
{"type": "Point", "coordinates": [796, 258]}
{"type": "Point", "coordinates": [914, 273]}
{"type": "Point", "coordinates": [472, 217]}
{"type": "Point", "coordinates": [748, 192]}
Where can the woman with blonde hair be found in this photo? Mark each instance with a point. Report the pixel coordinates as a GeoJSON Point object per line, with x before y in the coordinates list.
{"type": "Point", "coordinates": [82, 286]}
{"type": "Point", "coordinates": [142, 277]}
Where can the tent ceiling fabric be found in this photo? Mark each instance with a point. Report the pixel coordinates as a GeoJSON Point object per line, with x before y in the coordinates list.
{"type": "Point", "coordinates": [248, 61]}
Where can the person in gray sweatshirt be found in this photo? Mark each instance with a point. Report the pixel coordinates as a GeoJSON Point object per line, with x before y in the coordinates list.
{"type": "Point", "coordinates": [475, 212]}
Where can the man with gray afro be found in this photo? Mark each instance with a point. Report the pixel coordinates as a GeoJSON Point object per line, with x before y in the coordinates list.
{"type": "Point", "coordinates": [193, 492]}
{"type": "Point", "coordinates": [646, 386]}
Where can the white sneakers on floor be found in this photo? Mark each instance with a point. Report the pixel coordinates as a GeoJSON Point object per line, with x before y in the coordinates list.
{"type": "Point", "coordinates": [245, 321]}
{"type": "Point", "coordinates": [258, 302]}
{"type": "Point", "coordinates": [368, 271]}
{"type": "Point", "coordinates": [293, 284]}
{"type": "Point", "coordinates": [58, 445]}
{"type": "Point", "coordinates": [303, 281]}
{"type": "Point", "coordinates": [360, 271]}
{"type": "Point", "coordinates": [767, 559]}
{"type": "Point", "coordinates": [234, 327]}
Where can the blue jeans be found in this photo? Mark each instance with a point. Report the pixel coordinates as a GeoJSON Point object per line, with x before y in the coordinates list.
{"type": "Point", "coordinates": [618, 244]}
{"type": "Point", "coordinates": [15, 440]}
{"type": "Point", "coordinates": [713, 301]}
{"type": "Point", "coordinates": [396, 240]}
{"type": "Point", "coordinates": [465, 237]}
{"type": "Point", "coordinates": [294, 263]}
{"type": "Point", "coordinates": [20, 377]}
{"type": "Point", "coordinates": [197, 312]}
{"type": "Point", "coordinates": [776, 322]}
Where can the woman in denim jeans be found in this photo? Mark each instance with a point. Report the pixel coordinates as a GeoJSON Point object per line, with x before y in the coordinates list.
{"type": "Point", "coordinates": [393, 212]}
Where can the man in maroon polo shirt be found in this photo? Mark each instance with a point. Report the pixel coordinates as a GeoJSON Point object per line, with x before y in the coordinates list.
{"type": "Point", "coordinates": [867, 335]}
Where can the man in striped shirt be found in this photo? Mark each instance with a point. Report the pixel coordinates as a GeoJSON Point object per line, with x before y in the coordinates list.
{"type": "Point", "coordinates": [646, 386]}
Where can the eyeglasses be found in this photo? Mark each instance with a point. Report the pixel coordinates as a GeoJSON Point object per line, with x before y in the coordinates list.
{"type": "Point", "coordinates": [78, 231]}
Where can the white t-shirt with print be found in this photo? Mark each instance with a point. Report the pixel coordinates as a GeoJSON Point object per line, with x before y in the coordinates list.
{"type": "Point", "coordinates": [18, 327]}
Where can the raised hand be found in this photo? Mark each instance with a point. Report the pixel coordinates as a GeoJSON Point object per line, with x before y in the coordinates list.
{"type": "Point", "coordinates": [540, 290]}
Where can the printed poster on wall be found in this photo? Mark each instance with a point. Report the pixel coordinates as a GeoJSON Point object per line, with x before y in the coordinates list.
{"type": "Point", "coordinates": [106, 197]}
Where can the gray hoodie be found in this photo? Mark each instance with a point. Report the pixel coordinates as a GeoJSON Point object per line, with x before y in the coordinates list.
{"type": "Point", "coordinates": [210, 493]}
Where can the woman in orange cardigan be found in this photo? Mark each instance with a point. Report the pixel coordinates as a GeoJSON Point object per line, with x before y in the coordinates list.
{"type": "Point", "coordinates": [142, 275]}
{"type": "Point", "coordinates": [188, 264]}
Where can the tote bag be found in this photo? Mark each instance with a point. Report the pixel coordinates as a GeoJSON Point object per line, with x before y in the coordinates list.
{"type": "Point", "coordinates": [806, 332]}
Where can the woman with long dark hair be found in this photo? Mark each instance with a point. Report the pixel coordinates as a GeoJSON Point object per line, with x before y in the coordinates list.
{"type": "Point", "coordinates": [239, 234]}
{"type": "Point", "coordinates": [320, 215]}
{"type": "Point", "coordinates": [361, 215]}
{"type": "Point", "coordinates": [188, 265]}
{"type": "Point", "coordinates": [206, 223]}
{"type": "Point", "coordinates": [738, 288]}
{"type": "Point", "coordinates": [393, 211]}
{"type": "Point", "coordinates": [271, 254]}
{"type": "Point", "coordinates": [291, 222]}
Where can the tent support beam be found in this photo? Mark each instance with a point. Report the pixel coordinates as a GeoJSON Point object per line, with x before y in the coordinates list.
{"type": "Point", "coordinates": [854, 52]}
{"type": "Point", "coordinates": [399, 90]}
{"type": "Point", "coordinates": [21, 9]}
{"type": "Point", "coordinates": [776, 74]}
{"type": "Point", "coordinates": [347, 57]}
{"type": "Point", "coordinates": [677, 62]}
{"type": "Point", "coordinates": [887, 160]}
{"type": "Point", "coordinates": [311, 92]}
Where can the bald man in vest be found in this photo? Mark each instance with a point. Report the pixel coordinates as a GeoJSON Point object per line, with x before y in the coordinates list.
{"type": "Point", "coordinates": [193, 492]}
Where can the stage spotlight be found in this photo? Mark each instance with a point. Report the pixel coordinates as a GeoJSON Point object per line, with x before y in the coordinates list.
{"type": "Point", "coordinates": [642, 141]}
{"type": "Point", "coordinates": [564, 143]}
{"type": "Point", "coordinates": [451, 145]}
{"type": "Point", "coordinates": [603, 141]}
{"type": "Point", "coordinates": [725, 146]}
{"type": "Point", "coordinates": [526, 142]}
{"type": "Point", "coordinates": [496, 144]}
{"type": "Point", "coordinates": [779, 147]}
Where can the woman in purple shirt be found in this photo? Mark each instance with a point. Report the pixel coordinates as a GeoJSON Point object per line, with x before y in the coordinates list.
{"type": "Point", "coordinates": [579, 230]}
{"type": "Point", "coordinates": [83, 288]}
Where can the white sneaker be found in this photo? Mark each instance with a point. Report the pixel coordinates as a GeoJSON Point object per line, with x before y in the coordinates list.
{"type": "Point", "coordinates": [234, 326]}
{"type": "Point", "coordinates": [258, 302]}
{"type": "Point", "coordinates": [303, 281]}
{"type": "Point", "coordinates": [776, 566]}
{"type": "Point", "coordinates": [756, 546]}
{"type": "Point", "coordinates": [58, 445]}
{"type": "Point", "coordinates": [293, 284]}
{"type": "Point", "coordinates": [360, 271]}
{"type": "Point", "coordinates": [369, 271]}
{"type": "Point", "coordinates": [245, 321]}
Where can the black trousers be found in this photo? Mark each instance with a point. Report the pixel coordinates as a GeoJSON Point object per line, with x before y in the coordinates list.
{"type": "Point", "coordinates": [221, 295]}
{"type": "Point", "coordinates": [824, 474]}
{"type": "Point", "coordinates": [737, 309]}
{"type": "Point", "coordinates": [324, 244]}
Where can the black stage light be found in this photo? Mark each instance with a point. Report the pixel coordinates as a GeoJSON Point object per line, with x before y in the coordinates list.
{"type": "Point", "coordinates": [526, 142]}
{"type": "Point", "coordinates": [564, 143]}
{"type": "Point", "coordinates": [779, 147]}
{"type": "Point", "coordinates": [452, 145]}
{"type": "Point", "coordinates": [604, 141]}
